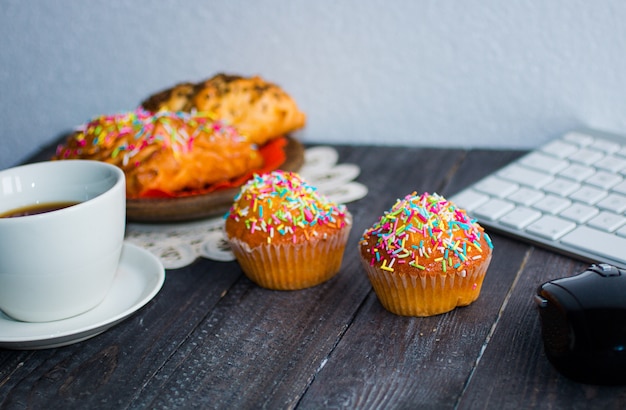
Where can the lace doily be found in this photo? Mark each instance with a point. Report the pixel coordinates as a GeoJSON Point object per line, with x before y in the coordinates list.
{"type": "Point", "coordinates": [179, 244]}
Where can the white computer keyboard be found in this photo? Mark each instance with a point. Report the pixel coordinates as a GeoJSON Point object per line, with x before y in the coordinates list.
{"type": "Point", "coordinates": [568, 195]}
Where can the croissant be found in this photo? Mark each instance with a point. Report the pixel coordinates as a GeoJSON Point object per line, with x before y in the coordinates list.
{"type": "Point", "coordinates": [258, 109]}
{"type": "Point", "coordinates": [167, 152]}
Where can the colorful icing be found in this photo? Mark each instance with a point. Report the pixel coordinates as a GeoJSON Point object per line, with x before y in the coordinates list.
{"type": "Point", "coordinates": [174, 130]}
{"type": "Point", "coordinates": [282, 204]}
{"type": "Point", "coordinates": [422, 231]}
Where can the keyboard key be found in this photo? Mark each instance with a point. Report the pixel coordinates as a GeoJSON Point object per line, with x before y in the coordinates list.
{"type": "Point", "coordinates": [577, 172]}
{"type": "Point", "coordinates": [561, 187]}
{"type": "Point", "coordinates": [525, 196]}
{"type": "Point", "coordinates": [578, 138]}
{"type": "Point", "coordinates": [602, 243]}
{"type": "Point", "coordinates": [579, 213]}
{"type": "Point", "coordinates": [621, 187]}
{"type": "Point", "coordinates": [524, 176]}
{"type": "Point", "coordinates": [560, 149]}
{"type": "Point", "coordinates": [552, 204]}
{"type": "Point", "coordinates": [621, 231]}
{"type": "Point", "coordinates": [621, 152]}
{"type": "Point", "coordinates": [586, 156]}
{"type": "Point", "coordinates": [493, 209]}
{"type": "Point", "coordinates": [550, 227]}
{"type": "Point", "coordinates": [606, 146]}
{"type": "Point", "coordinates": [588, 195]}
{"type": "Point", "coordinates": [611, 163]}
{"type": "Point", "coordinates": [603, 179]}
{"type": "Point", "coordinates": [496, 186]}
{"type": "Point", "coordinates": [542, 162]}
{"type": "Point", "coordinates": [607, 221]}
{"type": "Point", "coordinates": [613, 202]}
{"type": "Point", "coordinates": [519, 217]}
{"type": "Point", "coordinates": [469, 199]}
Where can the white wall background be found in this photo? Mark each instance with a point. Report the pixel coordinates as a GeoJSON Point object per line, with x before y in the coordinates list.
{"type": "Point", "coordinates": [471, 73]}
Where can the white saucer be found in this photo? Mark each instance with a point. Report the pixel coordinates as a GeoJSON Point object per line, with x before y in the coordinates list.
{"type": "Point", "coordinates": [139, 278]}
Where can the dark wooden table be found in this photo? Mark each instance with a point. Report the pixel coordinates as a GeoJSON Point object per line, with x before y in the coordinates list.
{"type": "Point", "coordinates": [213, 339]}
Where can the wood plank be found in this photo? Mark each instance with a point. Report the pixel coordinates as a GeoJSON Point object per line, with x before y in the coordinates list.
{"type": "Point", "coordinates": [212, 338]}
{"type": "Point", "coordinates": [110, 369]}
{"type": "Point", "coordinates": [257, 347]}
{"type": "Point", "coordinates": [514, 371]}
{"type": "Point", "coordinates": [477, 164]}
{"type": "Point", "coordinates": [388, 361]}
{"type": "Point", "coordinates": [263, 348]}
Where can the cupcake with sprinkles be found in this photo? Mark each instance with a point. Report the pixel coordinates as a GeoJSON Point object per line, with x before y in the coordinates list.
{"type": "Point", "coordinates": [425, 256]}
{"type": "Point", "coordinates": [286, 235]}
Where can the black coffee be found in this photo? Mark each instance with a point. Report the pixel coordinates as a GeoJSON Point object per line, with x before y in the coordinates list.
{"type": "Point", "coordinates": [37, 209]}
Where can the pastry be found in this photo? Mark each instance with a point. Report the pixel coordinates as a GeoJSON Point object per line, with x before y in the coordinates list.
{"type": "Point", "coordinates": [425, 256]}
{"type": "Point", "coordinates": [164, 154]}
{"type": "Point", "coordinates": [284, 234]}
{"type": "Point", "coordinates": [258, 109]}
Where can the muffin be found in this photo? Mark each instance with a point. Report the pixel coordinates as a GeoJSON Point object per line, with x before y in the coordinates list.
{"type": "Point", "coordinates": [284, 234]}
{"type": "Point", "coordinates": [425, 256]}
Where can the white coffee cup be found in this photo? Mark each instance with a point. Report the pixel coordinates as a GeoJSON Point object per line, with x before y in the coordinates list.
{"type": "Point", "coordinates": [61, 263]}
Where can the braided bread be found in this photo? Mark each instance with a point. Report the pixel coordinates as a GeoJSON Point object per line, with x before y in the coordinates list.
{"type": "Point", "coordinates": [257, 109]}
{"type": "Point", "coordinates": [168, 153]}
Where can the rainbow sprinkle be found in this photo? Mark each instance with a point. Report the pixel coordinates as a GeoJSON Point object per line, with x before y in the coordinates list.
{"type": "Point", "coordinates": [281, 203]}
{"type": "Point", "coordinates": [424, 230]}
{"type": "Point", "coordinates": [173, 130]}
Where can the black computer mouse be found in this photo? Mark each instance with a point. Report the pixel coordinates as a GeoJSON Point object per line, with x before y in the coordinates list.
{"type": "Point", "coordinates": [583, 324]}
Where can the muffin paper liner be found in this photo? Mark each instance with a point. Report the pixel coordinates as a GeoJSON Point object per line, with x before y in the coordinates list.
{"type": "Point", "coordinates": [423, 294]}
{"type": "Point", "coordinates": [293, 266]}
